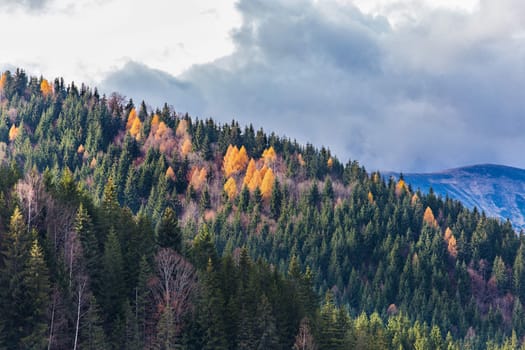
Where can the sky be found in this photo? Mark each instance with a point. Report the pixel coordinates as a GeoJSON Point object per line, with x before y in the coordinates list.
{"type": "Point", "coordinates": [401, 85]}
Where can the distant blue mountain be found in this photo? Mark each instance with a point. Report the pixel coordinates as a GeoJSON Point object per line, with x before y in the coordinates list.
{"type": "Point", "coordinates": [496, 189]}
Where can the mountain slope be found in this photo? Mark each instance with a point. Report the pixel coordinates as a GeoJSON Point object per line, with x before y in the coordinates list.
{"type": "Point", "coordinates": [496, 189]}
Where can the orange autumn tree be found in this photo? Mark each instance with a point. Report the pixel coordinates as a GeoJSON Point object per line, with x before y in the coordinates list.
{"type": "Point", "coordinates": [330, 163]}
{"type": "Point", "coordinates": [186, 147]}
{"type": "Point", "coordinates": [250, 170]}
{"type": "Point", "coordinates": [135, 128]}
{"type": "Point", "coordinates": [267, 184]}
{"type": "Point", "coordinates": [269, 155]}
{"type": "Point", "coordinates": [170, 174]}
{"type": "Point", "coordinates": [428, 217]}
{"type": "Point", "coordinates": [46, 88]}
{"type": "Point", "coordinates": [3, 78]}
{"type": "Point", "coordinates": [401, 187]}
{"type": "Point", "coordinates": [451, 242]}
{"type": "Point", "coordinates": [255, 181]}
{"type": "Point", "coordinates": [131, 118]}
{"type": "Point", "coordinates": [198, 177]}
{"type": "Point", "coordinates": [234, 160]}
{"type": "Point", "coordinates": [230, 187]}
{"type": "Point", "coordinates": [13, 132]}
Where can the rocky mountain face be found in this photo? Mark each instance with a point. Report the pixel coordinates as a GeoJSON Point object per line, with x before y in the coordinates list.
{"type": "Point", "coordinates": [496, 189]}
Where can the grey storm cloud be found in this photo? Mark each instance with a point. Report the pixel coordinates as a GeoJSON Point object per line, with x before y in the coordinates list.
{"type": "Point", "coordinates": [442, 91]}
{"type": "Point", "coordinates": [24, 4]}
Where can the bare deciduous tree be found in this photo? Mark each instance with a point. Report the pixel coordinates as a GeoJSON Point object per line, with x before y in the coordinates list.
{"type": "Point", "coordinates": [304, 339]}
{"type": "Point", "coordinates": [172, 289]}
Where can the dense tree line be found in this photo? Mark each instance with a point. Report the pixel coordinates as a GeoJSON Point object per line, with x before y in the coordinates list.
{"type": "Point", "coordinates": [127, 227]}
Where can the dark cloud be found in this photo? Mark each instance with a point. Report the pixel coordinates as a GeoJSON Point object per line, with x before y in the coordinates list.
{"type": "Point", "coordinates": [437, 93]}
{"type": "Point", "coordinates": [24, 4]}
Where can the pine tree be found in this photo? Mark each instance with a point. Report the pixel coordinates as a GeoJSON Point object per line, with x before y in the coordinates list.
{"type": "Point", "coordinates": [112, 287]}
{"type": "Point", "coordinates": [37, 289]}
{"type": "Point", "coordinates": [211, 310]}
{"type": "Point", "coordinates": [16, 304]}
{"type": "Point", "coordinates": [168, 232]}
{"type": "Point", "coordinates": [268, 337]}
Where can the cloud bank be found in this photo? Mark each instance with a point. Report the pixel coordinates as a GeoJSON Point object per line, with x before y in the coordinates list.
{"type": "Point", "coordinates": [436, 88]}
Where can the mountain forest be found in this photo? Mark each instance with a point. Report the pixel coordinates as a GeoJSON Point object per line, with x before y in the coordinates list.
{"type": "Point", "coordinates": [129, 227]}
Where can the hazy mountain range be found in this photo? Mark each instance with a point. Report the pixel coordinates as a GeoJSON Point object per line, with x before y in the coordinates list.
{"type": "Point", "coordinates": [496, 189]}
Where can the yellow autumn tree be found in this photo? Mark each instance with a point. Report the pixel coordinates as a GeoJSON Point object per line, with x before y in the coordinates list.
{"type": "Point", "coordinates": [330, 163]}
{"type": "Point", "coordinates": [230, 187]}
{"type": "Point", "coordinates": [80, 149]}
{"type": "Point", "coordinates": [182, 128]}
{"type": "Point", "coordinates": [135, 128]}
{"type": "Point", "coordinates": [198, 177]}
{"type": "Point", "coordinates": [414, 199]}
{"type": "Point", "coordinates": [234, 160]}
{"type": "Point", "coordinates": [13, 132]}
{"type": "Point", "coordinates": [428, 217]}
{"type": "Point", "coordinates": [267, 184]}
{"type": "Point", "coordinates": [401, 187]}
{"type": "Point", "coordinates": [452, 246]}
{"type": "Point", "coordinates": [170, 174]}
{"type": "Point", "coordinates": [131, 118]}
{"type": "Point", "coordinates": [46, 88]}
{"type": "Point", "coordinates": [249, 172]}
{"type": "Point", "coordinates": [451, 242]}
{"type": "Point", "coordinates": [269, 155]}
{"type": "Point", "coordinates": [185, 149]}
{"type": "Point", "coordinates": [255, 180]}
{"type": "Point", "coordinates": [370, 197]}
{"type": "Point", "coordinates": [155, 121]}
{"type": "Point", "coordinates": [2, 81]}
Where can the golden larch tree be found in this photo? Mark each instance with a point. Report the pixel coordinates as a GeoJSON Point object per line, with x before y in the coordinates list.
{"type": "Point", "coordinates": [267, 184]}
{"type": "Point", "coordinates": [13, 132]}
{"type": "Point", "coordinates": [428, 217]}
{"type": "Point", "coordinates": [234, 160]}
{"type": "Point", "coordinates": [131, 118]}
{"type": "Point", "coordinates": [135, 128]}
{"type": "Point", "coordinates": [155, 121]}
{"type": "Point", "coordinates": [370, 197]}
{"type": "Point", "coordinates": [255, 181]}
{"type": "Point", "coordinates": [414, 199]}
{"type": "Point", "coordinates": [170, 174]}
{"type": "Point", "coordinates": [330, 163]}
{"type": "Point", "coordinates": [401, 187]}
{"type": "Point", "coordinates": [230, 187]}
{"type": "Point", "coordinates": [182, 128]}
{"type": "Point", "coordinates": [269, 155]}
{"type": "Point", "coordinates": [46, 88]}
{"type": "Point", "coordinates": [250, 170]}
{"type": "Point", "coordinates": [452, 246]}
{"type": "Point", "coordinates": [185, 149]}
{"type": "Point", "coordinates": [451, 242]}
{"type": "Point", "coordinates": [80, 149]}
{"type": "Point", "coordinates": [3, 78]}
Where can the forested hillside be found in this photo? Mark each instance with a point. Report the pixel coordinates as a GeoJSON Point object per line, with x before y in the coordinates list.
{"type": "Point", "coordinates": [125, 227]}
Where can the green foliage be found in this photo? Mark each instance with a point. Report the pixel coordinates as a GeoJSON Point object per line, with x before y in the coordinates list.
{"type": "Point", "coordinates": [391, 279]}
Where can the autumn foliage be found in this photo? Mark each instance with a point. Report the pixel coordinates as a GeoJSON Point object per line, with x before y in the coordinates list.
{"type": "Point", "coordinates": [401, 187]}
{"type": "Point", "coordinates": [451, 242]}
{"type": "Point", "coordinates": [46, 88]}
{"type": "Point", "coordinates": [269, 155]}
{"type": "Point", "coordinates": [133, 125]}
{"type": "Point", "coordinates": [13, 132]}
{"type": "Point", "coordinates": [230, 188]}
{"type": "Point", "coordinates": [170, 174]}
{"type": "Point", "coordinates": [267, 184]}
{"type": "Point", "coordinates": [429, 219]}
{"type": "Point", "coordinates": [235, 160]}
{"type": "Point", "coordinates": [198, 177]}
{"type": "Point", "coordinates": [2, 81]}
